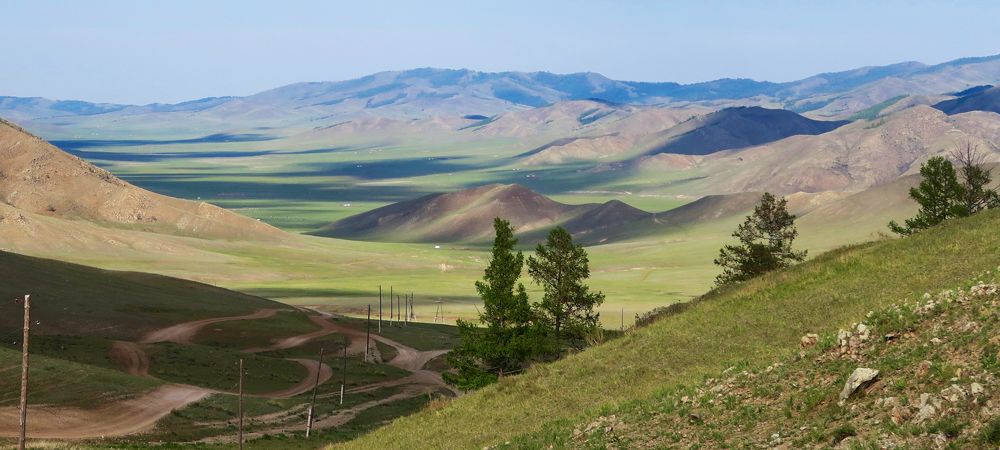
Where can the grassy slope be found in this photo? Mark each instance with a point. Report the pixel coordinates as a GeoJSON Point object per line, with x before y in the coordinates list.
{"type": "Point", "coordinates": [77, 311]}
{"type": "Point", "coordinates": [55, 381]}
{"type": "Point", "coordinates": [941, 349]}
{"type": "Point", "coordinates": [756, 322]}
{"type": "Point", "coordinates": [70, 299]}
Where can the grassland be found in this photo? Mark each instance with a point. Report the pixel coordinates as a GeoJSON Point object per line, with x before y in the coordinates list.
{"type": "Point", "coordinates": [61, 382]}
{"type": "Point", "coordinates": [217, 368]}
{"type": "Point", "coordinates": [751, 325]}
{"type": "Point", "coordinates": [69, 299]}
{"type": "Point", "coordinates": [300, 184]}
{"type": "Point", "coordinates": [244, 334]}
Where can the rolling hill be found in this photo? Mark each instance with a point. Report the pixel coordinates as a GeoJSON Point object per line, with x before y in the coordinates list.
{"type": "Point", "coordinates": [461, 216]}
{"type": "Point", "coordinates": [746, 329]}
{"type": "Point", "coordinates": [71, 299]}
{"type": "Point", "coordinates": [734, 128]}
{"type": "Point", "coordinates": [37, 178]}
{"type": "Point", "coordinates": [467, 216]}
{"type": "Point", "coordinates": [852, 158]}
{"type": "Point", "coordinates": [982, 98]}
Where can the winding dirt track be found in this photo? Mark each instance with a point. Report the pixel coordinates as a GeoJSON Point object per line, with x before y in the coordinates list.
{"type": "Point", "coordinates": [312, 366]}
{"type": "Point", "coordinates": [325, 328]}
{"type": "Point", "coordinates": [182, 333]}
{"type": "Point", "coordinates": [141, 413]}
{"type": "Point", "coordinates": [111, 419]}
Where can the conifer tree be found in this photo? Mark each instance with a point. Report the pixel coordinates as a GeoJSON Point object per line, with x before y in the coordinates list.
{"type": "Point", "coordinates": [939, 194]}
{"type": "Point", "coordinates": [765, 243]}
{"type": "Point", "coordinates": [561, 268]}
{"type": "Point", "coordinates": [502, 341]}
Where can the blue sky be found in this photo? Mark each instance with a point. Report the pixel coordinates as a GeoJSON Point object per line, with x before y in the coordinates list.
{"type": "Point", "coordinates": [144, 51]}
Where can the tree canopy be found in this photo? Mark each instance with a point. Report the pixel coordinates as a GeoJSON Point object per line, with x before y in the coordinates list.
{"type": "Point", "coordinates": [561, 268]}
{"type": "Point", "coordinates": [765, 243]}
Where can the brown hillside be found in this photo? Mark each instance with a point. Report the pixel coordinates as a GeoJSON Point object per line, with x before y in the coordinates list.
{"type": "Point", "coordinates": [852, 158]}
{"type": "Point", "coordinates": [734, 128]}
{"type": "Point", "coordinates": [38, 178]}
{"type": "Point", "coordinates": [465, 215]}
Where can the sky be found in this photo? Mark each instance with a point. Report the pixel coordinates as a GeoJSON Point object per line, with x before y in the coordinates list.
{"type": "Point", "coordinates": [141, 52]}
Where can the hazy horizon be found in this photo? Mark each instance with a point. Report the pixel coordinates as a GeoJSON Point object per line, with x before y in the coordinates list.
{"type": "Point", "coordinates": [119, 52]}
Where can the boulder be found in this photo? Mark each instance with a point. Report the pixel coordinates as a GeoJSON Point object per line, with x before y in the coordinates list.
{"type": "Point", "coordinates": [861, 377]}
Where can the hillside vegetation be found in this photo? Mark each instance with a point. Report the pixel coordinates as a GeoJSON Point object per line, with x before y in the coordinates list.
{"type": "Point", "coordinates": [752, 325]}
{"type": "Point", "coordinates": [70, 299]}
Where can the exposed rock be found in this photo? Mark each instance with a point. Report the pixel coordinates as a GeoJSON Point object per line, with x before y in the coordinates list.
{"type": "Point", "coordinates": [977, 389]}
{"type": "Point", "coordinates": [954, 393]}
{"type": "Point", "coordinates": [926, 412]}
{"type": "Point", "coordinates": [809, 340]}
{"type": "Point", "coordinates": [861, 376]}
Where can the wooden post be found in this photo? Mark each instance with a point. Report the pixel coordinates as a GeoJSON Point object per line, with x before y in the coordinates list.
{"type": "Point", "coordinates": [312, 402]}
{"type": "Point", "coordinates": [412, 315]}
{"type": "Point", "coordinates": [22, 440]}
{"type": "Point", "coordinates": [380, 309]}
{"type": "Point", "coordinates": [390, 306]}
{"type": "Point", "coordinates": [623, 319]}
{"type": "Point", "coordinates": [406, 309]}
{"type": "Point", "coordinates": [368, 334]}
{"type": "Point", "coordinates": [239, 436]}
{"type": "Point", "coordinates": [343, 381]}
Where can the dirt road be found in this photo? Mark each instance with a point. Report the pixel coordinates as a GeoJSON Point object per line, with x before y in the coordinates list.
{"type": "Point", "coordinates": [407, 358]}
{"type": "Point", "coordinates": [307, 383]}
{"type": "Point", "coordinates": [130, 357]}
{"type": "Point", "coordinates": [111, 419]}
{"type": "Point", "coordinates": [142, 412]}
{"type": "Point", "coordinates": [326, 328]}
{"type": "Point", "coordinates": [182, 333]}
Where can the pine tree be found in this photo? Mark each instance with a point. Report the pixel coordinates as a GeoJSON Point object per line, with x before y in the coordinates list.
{"type": "Point", "coordinates": [503, 339]}
{"type": "Point", "coordinates": [765, 243]}
{"type": "Point", "coordinates": [561, 268]}
{"type": "Point", "coordinates": [939, 194]}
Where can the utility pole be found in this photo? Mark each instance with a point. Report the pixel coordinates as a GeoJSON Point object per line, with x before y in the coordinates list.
{"type": "Point", "coordinates": [368, 334]}
{"type": "Point", "coordinates": [239, 436]}
{"type": "Point", "coordinates": [380, 309]}
{"type": "Point", "coordinates": [22, 441]}
{"type": "Point", "coordinates": [343, 381]}
{"type": "Point", "coordinates": [312, 403]}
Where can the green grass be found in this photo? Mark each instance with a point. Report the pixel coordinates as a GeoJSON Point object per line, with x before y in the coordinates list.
{"type": "Point", "coordinates": [218, 368]}
{"type": "Point", "coordinates": [755, 323]}
{"type": "Point", "coordinates": [55, 381]}
{"type": "Point", "coordinates": [78, 349]}
{"type": "Point", "coordinates": [332, 346]}
{"type": "Point", "coordinates": [419, 335]}
{"type": "Point", "coordinates": [69, 299]}
{"type": "Point", "coordinates": [244, 334]}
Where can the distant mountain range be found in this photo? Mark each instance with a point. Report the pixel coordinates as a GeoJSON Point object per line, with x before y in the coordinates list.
{"type": "Point", "coordinates": [429, 92]}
